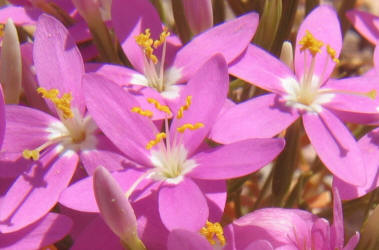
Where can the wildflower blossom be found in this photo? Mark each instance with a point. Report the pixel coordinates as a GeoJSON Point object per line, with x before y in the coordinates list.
{"type": "Point", "coordinates": [308, 93]}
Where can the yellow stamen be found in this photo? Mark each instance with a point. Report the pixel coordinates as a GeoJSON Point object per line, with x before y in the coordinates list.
{"type": "Point", "coordinates": [211, 230]}
{"type": "Point", "coordinates": [146, 43]}
{"type": "Point", "coordinates": [63, 103]}
{"type": "Point", "coordinates": [310, 43]}
{"type": "Point", "coordinates": [332, 53]}
{"type": "Point", "coordinates": [142, 112]}
{"type": "Point", "coordinates": [159, 106]}
{"type": "Point", "coordinates": [158, 138]}
{"type": "Point", "coordinates": [31, 154]}
{"type": "Point", "coordinates": [184, 107]}
{"type": "Point", "coordinates": [162, 38]}
{"type": "Point", "coordinates": [190, 126]}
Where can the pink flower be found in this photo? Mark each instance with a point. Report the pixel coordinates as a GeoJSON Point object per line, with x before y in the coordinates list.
{"type": "Point", "coordinates": [308, 92]}
{"type": "Point", "coordinates": [160, 61]}
{"type": "Point", "coordinates": [172, 164]}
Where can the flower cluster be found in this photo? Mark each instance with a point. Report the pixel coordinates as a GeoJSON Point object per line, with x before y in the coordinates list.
{"type": "Point", "coordinates": [124, 128]}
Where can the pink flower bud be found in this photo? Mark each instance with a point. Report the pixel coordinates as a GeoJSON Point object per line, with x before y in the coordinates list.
{"type": "Point", "coordinates": [115, 208]}
{"type": "Point", "coordinates": [199, 14]}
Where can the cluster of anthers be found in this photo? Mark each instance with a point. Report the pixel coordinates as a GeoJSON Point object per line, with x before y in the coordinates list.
{"type": "Point", "coordinates": [212, 230]}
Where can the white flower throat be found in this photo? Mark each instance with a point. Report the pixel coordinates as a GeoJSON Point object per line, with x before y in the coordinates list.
{"type": "Point", "coordinates": [307, 93]}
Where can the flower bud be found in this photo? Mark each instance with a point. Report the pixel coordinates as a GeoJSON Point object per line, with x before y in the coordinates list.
{"type": "Point", "coordinates": [115, 209]}
{"type": "Point", "coordinates": [10, 72]}
{"type": "Point", "coordinates": [199, 14]}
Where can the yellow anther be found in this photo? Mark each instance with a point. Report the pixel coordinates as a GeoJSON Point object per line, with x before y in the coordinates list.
{"type": "Point", "coordinates": [162, 38]}
{"type": "Point", "coordinates": [371, 94]}
{"type": "Point", "coordinates": [190, 126]}
{"type": "Point", "coordinates": [211, 230]}
{"type": "Point", "coordinates": [30, 154]}
{"type": "Point", "coordinates": [140, 111]}
{"type": "Point", "coordinates": [158, 138]}
{"type": "Point", "coordinates": [63, 103]}
{"type": "Point", "coordinates": [332, 53]}
{"type": "Point", "coordinates": [145, 42]}
{"type": "Point", "coordinates": [159, 106]}
{"type": "Point", "coordinates": [310, 43]}
{"type": "Point", "coordinates": [184, 107]}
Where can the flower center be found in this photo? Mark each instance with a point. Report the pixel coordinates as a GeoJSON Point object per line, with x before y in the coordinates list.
{"type": "Point", "coordinates": [73, 132]}
{"type": "Point", "coordinates": [169, 157]}
{"type": "Point", "coordinates": [213, 230]}
{"type": "Point", "coordinates": [308, 94]}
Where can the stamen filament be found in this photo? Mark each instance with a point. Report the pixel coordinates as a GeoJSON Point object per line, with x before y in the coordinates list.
{"type": "Point", "coordinates": [35, 153]}
{"type": "Point", "coordinates": [370, 94]}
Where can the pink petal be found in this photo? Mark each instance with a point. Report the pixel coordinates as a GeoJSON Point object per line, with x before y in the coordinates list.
{"type": "Point", "coordinates": [354, 100]}
{"type": "Point", "coordinates": [123, 76]}
{"type": "Point", "coordinates": [63, 68]}
{"type": "Point", "coordinates": [106, 155]}
{"type": "Point", "coordinates": [183, 239]}
{"type": "Point", "coordinates": [281, 227]}
{"type": "Point", "coordinates": [26, 128]}
{"type": "Point", "coordinates": [106, 238]}
{"type": "Point", "coordinates": [261, 69]}
{"type": "Point", "coordinates": [46, 231]}
{"type": "Point", "coordinates": [230, 39]}
{"type": "Point", "coordinates": [323, 23]}
{"type": "Point", "coordinates": [237, 159]}
{"type": "Point", "coordinates": [130, 18]}
{"type": "Point", "coordinates": [337, 229]}
{"type": "Point", "coordinates": [20, 15]}
{"type": "Point", "coordinates": [365, 23]}
{"type": "Point", "coordinates": [320, 234]}
{"type": "Point", "coordinates": [335, 146]}
{"type": "Point", "coordinates": [215, 193]}
{"type": "Point", "coordinates": [183, 206]}
{"type": "Point", "coordinates": [35, 192]}
{"type": "Point", "coordinates": [261, 117]}
{"type": "Point", "coordinates": [369, 145]}
{"type": "Point", "coordinates": [129, 131]}
{"type": "Point", "coordinates": [259, 244]}
{"type": "Point", "coordinates": [208, 88]}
